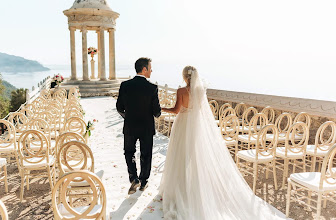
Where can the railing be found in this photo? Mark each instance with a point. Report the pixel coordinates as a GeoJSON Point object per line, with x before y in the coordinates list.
{"type": "Point", "coordinates": [297, 105]}
{"type": "Point", "coordinates": [35, 92]}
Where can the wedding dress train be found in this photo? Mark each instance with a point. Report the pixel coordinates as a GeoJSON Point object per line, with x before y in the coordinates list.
{"type": "Point", "coordinates": [200, 179]}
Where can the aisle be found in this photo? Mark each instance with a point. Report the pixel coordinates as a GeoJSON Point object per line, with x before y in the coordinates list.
{"type": "Point", "coordinates": [106, 143]}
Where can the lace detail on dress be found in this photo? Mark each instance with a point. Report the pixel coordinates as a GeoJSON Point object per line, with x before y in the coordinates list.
{"type": "Point", "coordinates": [184, 109]}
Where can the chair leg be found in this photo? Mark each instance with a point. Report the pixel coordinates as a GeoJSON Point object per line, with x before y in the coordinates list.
{"type": "Point", "coordinates": [309, 197]}
{"type": "Point", "coordinates": [50, 178]}
{"type": "Point", "coordinates": [325, 202]}
{"type": "Point", "coordinates": [288, 199]}
{"type": "Point", "coordinates": [319, 200]}
{"type": "Point", "coordinates": [27, 179]}
{"type": "Point", "coordinates": [274, 176]}
{"type": "Point", "coordinates": [6, 181]}
{"type": "Point", "coordinates": [22, 185]}
{"type": "Point", "coordinates": [312, 169]}
{"type": "Point", "coordinates": [255, 176]}
{"type": "Point", "coordinates": [304, 164]}
{"type": "Point", "coordinates": [285, 173]}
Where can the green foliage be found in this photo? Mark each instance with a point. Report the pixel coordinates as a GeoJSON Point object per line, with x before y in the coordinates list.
{"type": "Point", "coordinates": [18, 98]}
{"type": "Point", "coordinates": [4, 103]}
{"type": "Point", "coordinates": [8, 89]}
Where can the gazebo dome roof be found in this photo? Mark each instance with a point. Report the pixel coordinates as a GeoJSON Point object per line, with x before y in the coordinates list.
{"type": "Point", "coordinates": [96, 4]}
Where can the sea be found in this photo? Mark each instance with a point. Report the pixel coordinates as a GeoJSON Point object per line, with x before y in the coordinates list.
{"type": "Point", "coordinates": [319, 87]}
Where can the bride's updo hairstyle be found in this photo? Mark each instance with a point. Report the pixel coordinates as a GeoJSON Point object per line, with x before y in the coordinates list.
{"type": "Point", "coordinates": [187, 73]}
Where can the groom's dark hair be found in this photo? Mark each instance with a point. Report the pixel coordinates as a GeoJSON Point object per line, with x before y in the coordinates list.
{"type": "Point", "coordinates": [141, 63]}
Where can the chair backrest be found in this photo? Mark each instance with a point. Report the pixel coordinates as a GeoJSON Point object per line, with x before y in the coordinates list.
{"type": "Point", "coordinates": [248, 115]}
{"type": "Point", "coordinates": [297, 138]}
{"type": "Point", "coordinates": [3, 211]}
{"type": "Point", "coordinates": [75, 124]}
{"type": "Point", "coordinates": [67, 137]}
{"type": "Point", "coordinates": [266, 146]}
{"type": "Point", "coordinates": [60, 93]}
{"type": "Point", "coordinates": [40, 125]}
{"type": "Point", "coordinates": [19, 120]}
{"type": "Point", "coordinates": [214, 103]}
{"type": "Point", "coordinates": [73, 113]}
{"type": "Point", "coordinates": [270, 113]}
{"type": "Point", "coordinates": [240, 109]}
{"type": "Point", "coordinates": [303, 117]}
{"type": "Point", "coordinates": [33, 147]}
{"type": "Point", "coordinates": [258, 121]}
{"type": "Point", "coordinates": [222, 108]}
{"type": "Point", "coordinates": [328, 172]}
{"type": "Point", "coordinates": [61, 202]}
{"type": "Point", "coordinates": [27, 112]}
{"type": "Point", "coordinates": [73, 93]}
{"type": "Point", "coordinates": [325, 136]}
{"type": "Point", "coordinates": [74, 156]}
{"type": "Point", "coordinates": [229, 127]}
{"type": "Point", "coordinates": [45, 93]}
{"type": "Point", "coordinates": [213, 110]}
{"type": "Point", "coordinates": [7, 135]}
{"type": "Point", "coordinates": [283, 123]}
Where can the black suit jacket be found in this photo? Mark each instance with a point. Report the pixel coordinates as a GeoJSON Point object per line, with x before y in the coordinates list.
{"type": "Point", "coordinates": [138, 104]}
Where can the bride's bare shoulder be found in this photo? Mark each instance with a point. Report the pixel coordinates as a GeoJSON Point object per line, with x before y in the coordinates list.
{"type": "Point", "coordinates": [182, 90]}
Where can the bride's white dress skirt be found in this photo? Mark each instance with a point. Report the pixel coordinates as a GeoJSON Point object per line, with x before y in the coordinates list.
{"type": "Point", "coordinates": [200, 179]}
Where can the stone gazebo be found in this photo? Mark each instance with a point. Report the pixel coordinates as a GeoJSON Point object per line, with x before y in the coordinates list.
{"type": "Point", "coordinates": [92, 15]}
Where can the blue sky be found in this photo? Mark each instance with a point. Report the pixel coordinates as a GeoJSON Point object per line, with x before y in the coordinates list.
{"type": "Point", "coordinates": [289, 43]}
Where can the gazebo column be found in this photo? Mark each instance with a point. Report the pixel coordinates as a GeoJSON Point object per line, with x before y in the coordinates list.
{"type": "Point", "coordinates": [85, 56]}
{"type": "Point", "coordinates": [73, 53]}
{"type": "Point", "coordinates": [99, 47]}
{"type": "Point", "coordinates": [112, 54]}
{"type": "Point", "coordinates": [102, 54]}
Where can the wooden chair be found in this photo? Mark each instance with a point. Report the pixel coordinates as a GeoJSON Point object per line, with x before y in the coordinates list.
{"type": "Point", "coordinates": [73, 113]}
{"type": "Point", "coordinates": [3, 211]}
{"type": "Point", "coordinates": [75, 124]}
{"type": "Point", "coordinates": [247, 140]}
{"type": "Point", "coordinates": [41, 161]}
{"type": "Point", "coordinates": [3, 165]}
{"type": "Point", "coordinates": [223, 108]}
{"type": "Point", "coordinates": [214, 103]}
{"type": "Point", "coordinates": [167, 124]}
{"type": "Point", "coordinates": [263, 154]}
{"type": "Point", "coordinates": [324, 141]}
{"type": "Point", "coordinates": [240, 109]}
{"type": "Point", "coordinates": [270, 113]}
{"type": "Point", "coordinates": [303, 117]}
{"type": "Point", "coordinates": [294, 149]}
{"type": "Point", "coordinates": [283, 123]}
{"type": "Point", "coordinates": [42, 125]}
{"type": "Point", "coordinates": [7, 140]}
{"type": "Point", "coordinates": [322, 184]}
{"type": "Point", "coordinates": [67, 137]}
{"type": "Point", "coordinates": [246, 118]}
{"type": "Point", "coordinates": [96, 209]}
{"type": "Point", "coordinates": [228, 111]}
{"type": "Point", "coordinates": [19, 121]}
{"type": "Point", "coordinates": [229, 130]}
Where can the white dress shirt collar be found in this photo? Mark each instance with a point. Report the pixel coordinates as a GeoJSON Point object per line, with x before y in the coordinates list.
{"type": "Point", "coordinates": [142, 76]}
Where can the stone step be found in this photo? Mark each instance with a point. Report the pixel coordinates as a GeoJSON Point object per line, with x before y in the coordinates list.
{"type": "Point", "coordinates": [89, 90]}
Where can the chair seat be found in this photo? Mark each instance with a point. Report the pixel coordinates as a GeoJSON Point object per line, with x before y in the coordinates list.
{"type": "Point", "coordinates": [250, 155]}
{"type": "Point", "coordinates": [8, 149]}
{"type": "Point", "coordinates": [40, 164]}
{"type": "Point", "coordinates": [84, 183]}
{"type": "Point", "coordinates": [282, 137]}
{"type": "Point", "coordinates": [319, 152]}
{"type": "Point", "coordinates": [245, 138]}
{"type": "Point", "coordinates": [280, 152]}
{"type": "Point", "coordinates": [72, 163]}
{"type": "Point", "coordinates": [311, 180]}
{"type": "Point", "coordinates": [96, 209]}
{"type": "Point", "coordinates": [230, 142]}
{"type": "Point", "coordinates": [3, 162]}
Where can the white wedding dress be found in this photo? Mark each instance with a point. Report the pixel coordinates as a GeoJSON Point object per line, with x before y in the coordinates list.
{"type": "Point", "coordinates": [200, 179]}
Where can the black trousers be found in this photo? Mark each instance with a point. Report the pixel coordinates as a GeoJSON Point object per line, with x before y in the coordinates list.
{"type": "Point", "coordinates": [146, 149]}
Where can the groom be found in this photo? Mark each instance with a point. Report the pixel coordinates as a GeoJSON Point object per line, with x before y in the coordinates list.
{"type": "Point", "coordinates": [138, 104]}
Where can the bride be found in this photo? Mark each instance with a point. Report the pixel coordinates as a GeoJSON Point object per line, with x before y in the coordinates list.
{"type": "Point", "coordinates": [200, 179]}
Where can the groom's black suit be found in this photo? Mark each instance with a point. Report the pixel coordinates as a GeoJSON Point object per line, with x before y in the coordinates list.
{"type": "Point", "coordinates": [138, 104]}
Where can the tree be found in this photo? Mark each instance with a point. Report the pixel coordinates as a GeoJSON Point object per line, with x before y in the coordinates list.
{"type": "Point", "coordinates": [18, 98]}
{"type": "Point", "coordinates": [4, 103]}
